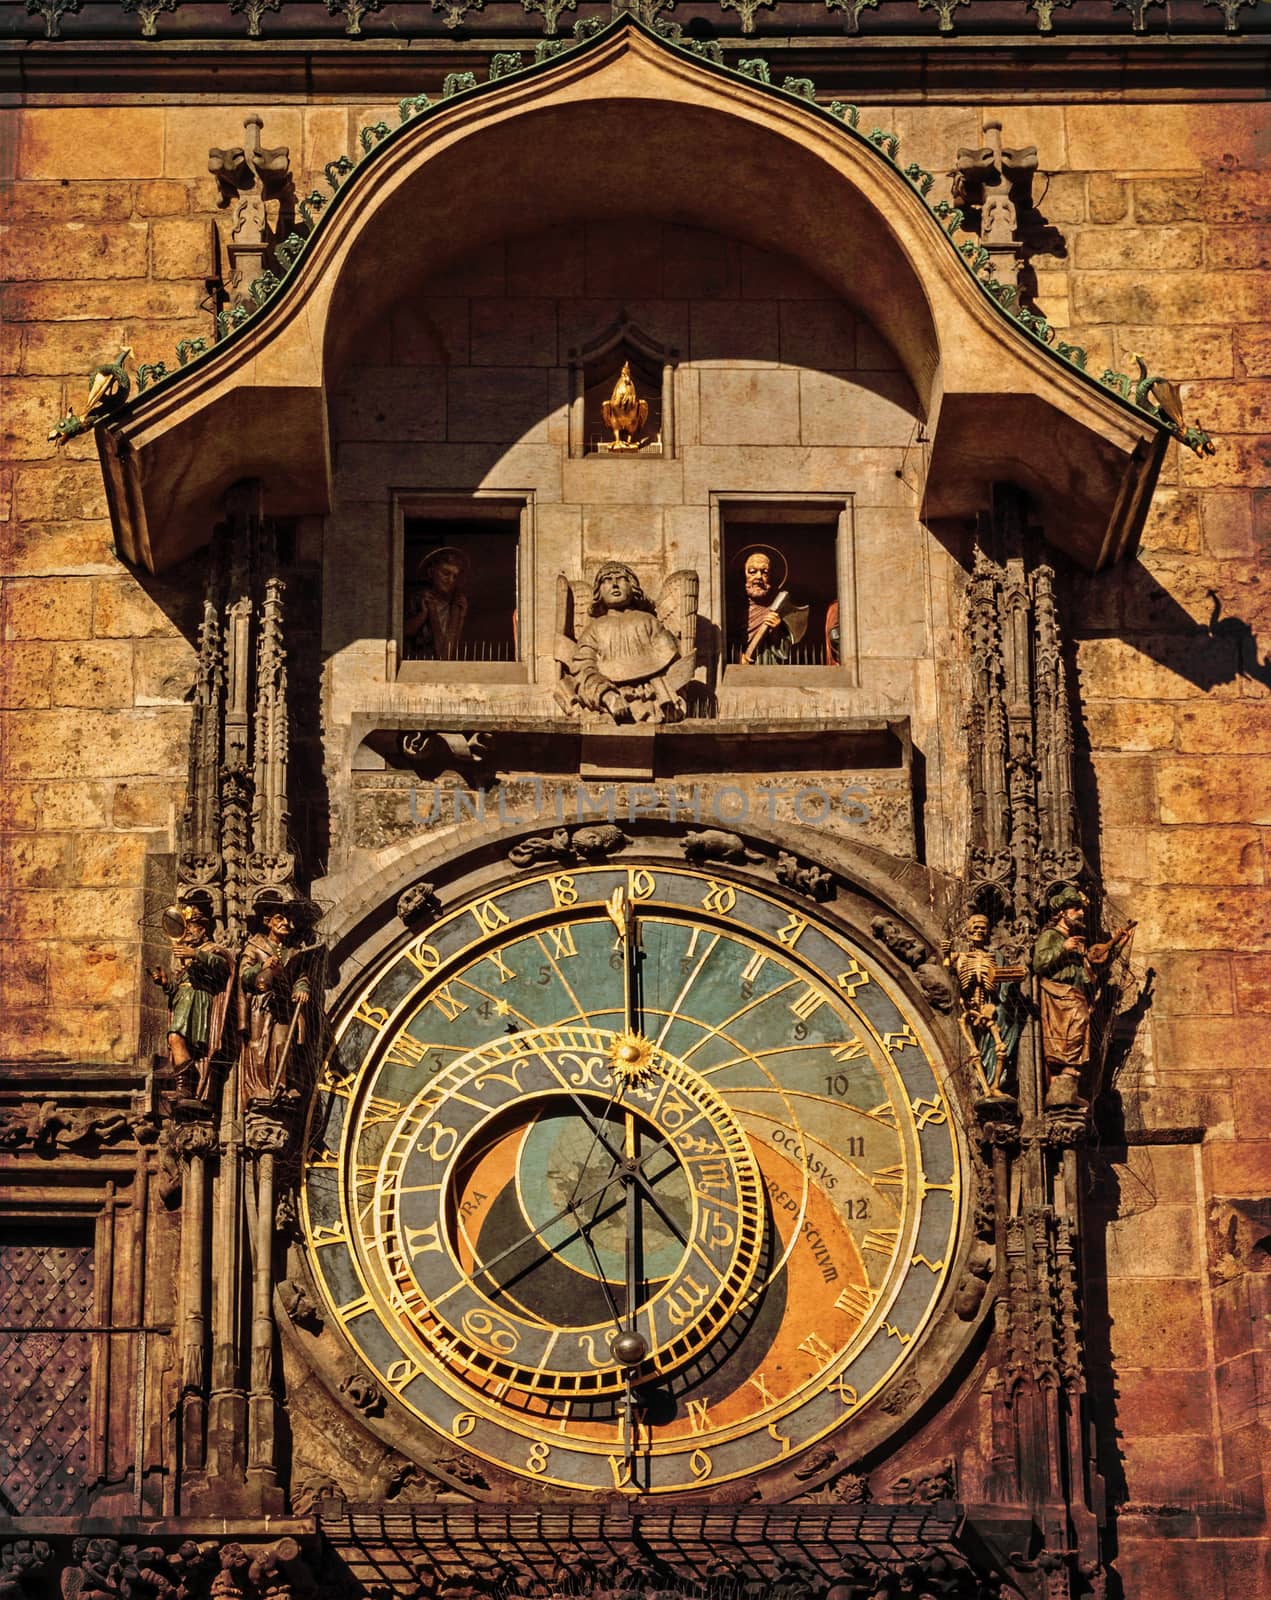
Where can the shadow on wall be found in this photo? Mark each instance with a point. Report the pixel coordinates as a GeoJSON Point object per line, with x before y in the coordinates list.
{"type": "Point", "coordinates": [1133, 605]}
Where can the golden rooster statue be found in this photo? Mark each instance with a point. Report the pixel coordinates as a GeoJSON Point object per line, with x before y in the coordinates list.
{"type": "Point", "coordinates": [624, 411]}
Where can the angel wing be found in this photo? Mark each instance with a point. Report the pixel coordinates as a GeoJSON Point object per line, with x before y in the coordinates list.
{"type": "Point", "coordinates": [564, 620]}
{"type": "Point", "coordinates": [677, 612]}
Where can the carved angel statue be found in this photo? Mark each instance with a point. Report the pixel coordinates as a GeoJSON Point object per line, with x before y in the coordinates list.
{"type": "Point", "coordinates": [624, 411]}
{"type": "Point", "coordinates": [632, 660]}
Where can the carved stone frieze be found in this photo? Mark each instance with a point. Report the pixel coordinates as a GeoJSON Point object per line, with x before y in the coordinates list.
{"type": "Point", "coordinates": [932, 979]}
{"type": "Point", "coordinates": [804, 877]}
{"type": "Point", "coordinates": [594, 842]}
{"type": "Point", "coordinates": [927, 1484]}
{"type": "Point", "coordinates": [717, 844]}
{"type": "Point", "coordinates": [49, 1126]}
{"type": "Point", "coordinates": [418, 905]}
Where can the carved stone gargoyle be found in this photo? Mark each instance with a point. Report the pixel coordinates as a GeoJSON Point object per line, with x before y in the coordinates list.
{"type": "Point", "coordinates": [629, 659]}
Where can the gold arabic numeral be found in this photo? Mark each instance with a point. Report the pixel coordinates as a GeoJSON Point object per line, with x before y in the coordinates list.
{"type": "Point", "coordinates": [685, 1300]}
{"type": "Point", "coordinates": [493, 1332]}
{"type": "Point", "coordinates": [815, 1346]}
{"type": "Point", "coordinates": [882, 1241]}
{"type": "Point", "coordinates": [421, 1240]}
{"type": "Point", "coordinates": [699, 1416]}
{"type": "Point", "coordinates": [700, 1465]}
{"type": "Point", "coordinates": [889, 1177]}
{"type": "Point", "coordinates": [922, 1261]}
{"type": "Point", "coordinates": [808, 1003]}
{"type": "Point", "coordinates": [537, 1459]}
{"type": "Point", "coordinates": [622, 1470]}
{"type": "Point", "coordinates": [891, 1329]}
{"type": "Point", "coordinates": [320, 1236]}
{"type": "Point", "coordinates": [781, 1439]}
{"type": "Point", "coordinates": [714, 1232]}
{"type": "Point", "coordinates": [406, 1050]}
{"type": "Point", "coordinates": [489, 915]}
{"type": "Point", "coordinates": [373, 1016]}
{"type": "Point", "coordinates": [641, 884]}
{"type": "Point", "coordinates": [564, 891]}
{"type": "Point", "coordinates": [928, 1111]}
{"type": "Point", "coordinates": [852, 978]}
{"type": "Point", "coordinates": [424, 957]}
{"type": "Point", "coordinates": [446, 1003]}
{"type": "Point", "coordinates": [464, 1423]}
{"type": "Point", "coordinates": [505, 972]}
{"type": "Point", "coordinates": [401, 1373]}
{"type": "Point", "coordinates": [900, 1040]}
{"type": "Point", "coordinates": [757, 1383]}
{"type": "Point", "coordinates": [719, 897]}
{"type": "Point", "coordinates": [846, 1392]}
{"type": "Point", "coordinates": [437, 1142]}
{"type": "Point", "coordinates": [331, 1082]}
{"type": "Point", "coordinates": [356, 1307]}
{"type": "Point", "coordinates": [563, 942]}
{"type": "Point", "coordinates": [850, 1050]}
{"type": "Point", "coordinates": [794, 929]}
{"type": "Point", "coordinates": [857, 1300]}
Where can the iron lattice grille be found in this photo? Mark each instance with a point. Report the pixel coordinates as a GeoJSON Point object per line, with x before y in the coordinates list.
{"type": "Point", "coordinates": [45, 1374]}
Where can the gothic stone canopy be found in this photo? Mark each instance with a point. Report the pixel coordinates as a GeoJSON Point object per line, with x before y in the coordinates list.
{"type": "Point", "coordinates": [758, 162]}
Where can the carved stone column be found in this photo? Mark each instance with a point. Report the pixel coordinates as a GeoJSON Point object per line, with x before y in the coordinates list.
{"type": "Point", "coordinates": [268, 1136]}
{"type": "Point", "coordinates": [193, 1139]}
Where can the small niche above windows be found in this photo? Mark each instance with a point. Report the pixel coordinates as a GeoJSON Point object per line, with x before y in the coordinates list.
{"type": "Point", "coordinates": [622, 396]}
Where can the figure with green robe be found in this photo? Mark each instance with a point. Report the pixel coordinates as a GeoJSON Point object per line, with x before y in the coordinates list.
{"type": "Point", "coordinates": [196, 983]}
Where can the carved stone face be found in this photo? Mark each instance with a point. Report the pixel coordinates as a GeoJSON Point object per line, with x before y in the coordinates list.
{"type": "Point", "coordinates": [443, 576]}
{"type": "Point", "coordinates": [977, 931]}
{"type": "Point", "coordinates": [758, 576]}
{"type": "Point", "coordinates": [280, 927]}
{"type": "Point", "coordinates": [615, 588]}
{"type": "Point", "coordinates": [1071, 920]}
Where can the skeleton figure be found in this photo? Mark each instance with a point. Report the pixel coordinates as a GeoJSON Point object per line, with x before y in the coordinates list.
{"type": "Point", "coordinates": [990, 1013]}
{"type": "Point", "coordinates": [632, 660]}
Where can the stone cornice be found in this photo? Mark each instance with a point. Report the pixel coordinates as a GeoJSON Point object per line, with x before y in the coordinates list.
{"type": "Point", "coordinates": [877, 71]}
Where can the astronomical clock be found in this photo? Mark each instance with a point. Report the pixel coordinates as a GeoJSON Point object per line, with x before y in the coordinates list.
{"type": "Point", "coordinates": [635, 1179]}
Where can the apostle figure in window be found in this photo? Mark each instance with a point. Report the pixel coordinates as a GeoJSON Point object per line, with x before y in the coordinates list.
{"type": "Point", "coordinates": [631, 661]}
{"type": "Point", "coordinates": [771, 624]}
{"type": "Point", "coordinates": [196, 983]}
{"type": "Point", "coordinates": [438, 609]}
{"type": "Point", "coordinates": [274, 991]}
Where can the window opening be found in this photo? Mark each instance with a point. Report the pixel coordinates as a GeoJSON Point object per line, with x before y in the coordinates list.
{"type": "Point", "coordinates": [460, 589]}
{"type": "Point", "coordinates": [781, 589]}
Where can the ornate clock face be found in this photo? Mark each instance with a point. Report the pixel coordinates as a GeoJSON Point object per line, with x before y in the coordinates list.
{"type": "Point", "coordinates": [631, 1177]}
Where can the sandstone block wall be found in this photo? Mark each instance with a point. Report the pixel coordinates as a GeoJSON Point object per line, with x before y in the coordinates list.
{"type": "Point", "coordinates": [1159, 245]}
